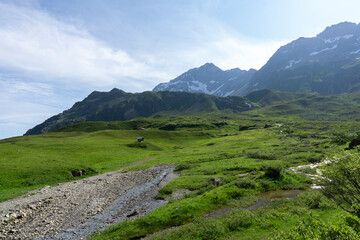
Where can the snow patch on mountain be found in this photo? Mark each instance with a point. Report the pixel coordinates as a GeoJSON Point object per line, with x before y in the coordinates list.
{"type": "Point", "coordinates": [326, 49]}
{"type": "Point", "coordinates": [331, 40]}
{"type": "Point", "coordinates": [355, 52]}
{"type": "Point", "coordinates": [291, 63]}
{"type": "Point", "coordinates": [250, 105]}
{"type": "Point", "coordinates": [208, 79]}
{"type": "Point", "coordinates": [228, 93]}
{"type": "Point", "coordinates": [196, 86]}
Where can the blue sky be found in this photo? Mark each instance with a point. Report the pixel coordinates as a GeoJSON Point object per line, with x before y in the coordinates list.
{"type": "Point", "coordinates": [54, 53]}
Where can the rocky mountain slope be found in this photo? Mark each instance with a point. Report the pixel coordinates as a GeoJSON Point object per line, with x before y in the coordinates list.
{"type": "Point", "coordinates": [118, 105]}
{"type": "Point", "coordinates": [328, 63]}
{"type": "Point", "coordinates": [208, 79]}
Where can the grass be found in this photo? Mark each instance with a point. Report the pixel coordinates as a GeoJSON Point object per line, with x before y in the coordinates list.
{"type": "Point", "coordinates": [244, 224]}
{"type": "Point", "coordinates": [201, 152]}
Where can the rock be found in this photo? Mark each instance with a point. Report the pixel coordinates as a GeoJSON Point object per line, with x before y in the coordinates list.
{"type": "Point", "coordinates": [32, 206]}
{"type": "Point", "coordinates": [133, 213]}
{"type": "Point", "coordinates": [241, 175]}
{"type": "Point", "coordinates": [216, 181]}
{"type": "Point", "coordinates": [354, 143]}
{"type": "Point", "coordinates": [23, 214]}
{"type": "Point", "coordinates": [78, 173]}
{"type": "Point", "coordinates": [248, 127]}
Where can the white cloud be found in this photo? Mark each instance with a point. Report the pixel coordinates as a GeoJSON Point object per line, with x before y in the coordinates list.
{"type": "Point", "coordinates": [14, 87]}
{"type": "Point", "coordinates": [55, 62]}
{"type": "Point", "coordinates": [228, 52]}
{"type": "Point", "coordinates": [35, 42]}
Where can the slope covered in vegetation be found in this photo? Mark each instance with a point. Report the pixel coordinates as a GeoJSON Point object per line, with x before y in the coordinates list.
{"type": "Point", "coordinates": [223, 161]}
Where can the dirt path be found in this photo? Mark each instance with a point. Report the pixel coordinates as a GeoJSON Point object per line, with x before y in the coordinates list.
{"type": "Point", "coordinates": [75, 209]}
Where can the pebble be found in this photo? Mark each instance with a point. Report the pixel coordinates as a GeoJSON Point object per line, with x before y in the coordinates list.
{"type": "Point", "coordinates": [80, 206]}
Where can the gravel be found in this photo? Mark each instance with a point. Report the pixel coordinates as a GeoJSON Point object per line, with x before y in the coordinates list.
{"type": "Point", "coordinates": [76, 209]}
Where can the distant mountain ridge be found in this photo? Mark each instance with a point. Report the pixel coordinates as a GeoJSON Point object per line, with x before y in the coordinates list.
{"type": "Point", "coordinates": [208, 79]}
{"type": "Point", "coordinates": [118, 105]}
{"type": "Point", "coordinates": [328, 63]}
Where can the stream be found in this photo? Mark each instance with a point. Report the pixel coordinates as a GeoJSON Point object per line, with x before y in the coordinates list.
{"type": "Point", "coordinates": [266, 197]}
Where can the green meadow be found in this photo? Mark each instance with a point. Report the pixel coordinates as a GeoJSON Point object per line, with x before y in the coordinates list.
{"type": "Point", "coordinates": [204, 148]}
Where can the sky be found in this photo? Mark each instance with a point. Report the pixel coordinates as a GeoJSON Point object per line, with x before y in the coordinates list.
{"type": "Point", "coordinates": [55, 53]}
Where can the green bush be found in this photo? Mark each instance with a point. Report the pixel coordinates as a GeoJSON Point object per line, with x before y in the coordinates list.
{"type": "Point", "coordinates": [181, 167]}
{"type": "Point", "coordinates": [238, 219]}
{"type": "Point", "coordinates": [209, 229]}
{"type": "Point", "coordinates": [342, 181]}
{"type": "Point", "coordinates": [274, 172]}
{"type": "Point", "coordinates": [266, 185]}
{"type": "Point", "coordinates": [353, 221]}
{"type": "Point", "coordinates": [315, 200]}
{"type": "Point", "coordinates": [317, 229]}
{"type": "Point", "coordinates": [245, 183]}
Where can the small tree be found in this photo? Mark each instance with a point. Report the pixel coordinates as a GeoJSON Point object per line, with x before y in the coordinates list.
{"type": "Point", "coordinates": [342, 181]}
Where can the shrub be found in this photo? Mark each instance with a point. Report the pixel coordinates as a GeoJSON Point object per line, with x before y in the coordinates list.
{"type": "Point", "coordinates": [274, 172]}
{"type": "Point", "coordinates": [207, 228]}
{"type": "Point", "coordinates": [342, 181]}
{"type": "Point", "coordinates": [266, 185]}
{"type": "Point", "coordinates": [266, 155]}
{"type": "Point", "coordinates": [238, 219]}
{"type": "Point", "coordinates": [245, 183]}
{"type": "Point", "coordinates": [315, 200]}
{"type": "Point", "coordinates": [315, 229]}
{"type": "Point", "coordinates": [181, 167]}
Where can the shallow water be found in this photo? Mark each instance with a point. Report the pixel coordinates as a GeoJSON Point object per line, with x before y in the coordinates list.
{"type": "Point", "coordinates": [280, 194]}
{"type": "Point", "coordinates": [263, 198]}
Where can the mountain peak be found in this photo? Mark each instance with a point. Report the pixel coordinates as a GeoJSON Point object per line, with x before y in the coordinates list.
{"type": "Point", "coordinates": [209, 67]}
{"type": "Point", "coordinates": [208, 79]}
{"type": "Point", "coordinates": [340, 29]}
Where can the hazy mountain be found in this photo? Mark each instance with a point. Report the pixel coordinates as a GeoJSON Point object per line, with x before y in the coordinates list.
{"type": "Point", "coordinates": [328, 63]}
{"type": "Point", "coordinates": [208, 79]}
{"type": "Point", "coordinates": [118, 105]}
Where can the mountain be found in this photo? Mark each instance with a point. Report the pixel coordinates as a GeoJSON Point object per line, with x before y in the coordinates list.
{"type": "Point", "coordinates": [208, 79]}
{"type": "Point", "coordinates": [304, 106]}
{"type": "Point", "coordinates": [118, 105]}
{"type": "Point", "coordinates": [266, 97]}
{"type": "Point", "coordinates": [328, 63]}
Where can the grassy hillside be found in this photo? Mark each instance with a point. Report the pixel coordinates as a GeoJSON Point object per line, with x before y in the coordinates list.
{"type": "Point", "coordinates": [118, 105]}
{"type": "Point", "coordinates": [313, 107]}
{"type": "Point", "coordinates": [203, 147]}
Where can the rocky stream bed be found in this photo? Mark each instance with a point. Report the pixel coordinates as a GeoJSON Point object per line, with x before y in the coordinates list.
{"type": "Point", "coordinates": [76, 209]}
